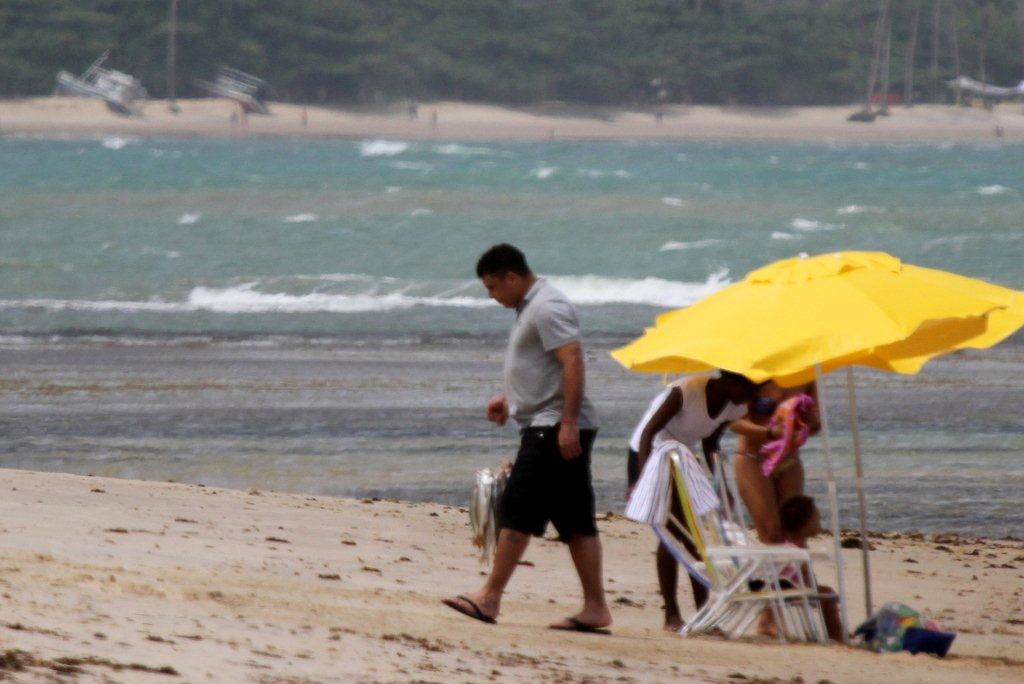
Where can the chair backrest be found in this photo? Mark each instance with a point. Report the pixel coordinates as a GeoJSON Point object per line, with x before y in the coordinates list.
{"type": "Point", "coordinates": [700, 524]}
{"type": "Point", "coordinates": [724, 558]}
{"type": "Point", "coordinates": [706, 522]}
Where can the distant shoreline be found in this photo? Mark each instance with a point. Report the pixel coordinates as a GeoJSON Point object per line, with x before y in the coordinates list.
{"type": "Point", "coordinates": [469, 121]}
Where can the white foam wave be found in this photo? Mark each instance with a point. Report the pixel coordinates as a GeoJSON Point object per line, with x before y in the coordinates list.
{"type": "Point", "coordinates": [246, 299]}
{"type": "Point", "coordinates": [421, 212]}
{"type": "Point", "coordinates": [17, 340]}
{"type": "Point", "coordinates": [117, 142]}
{"type": "Point", "coordinates": [809, 225]}
{"type": "Point", "coordinates": [93, 305]}
{"type": "Point", "coordinates": [955, 240]}
{"type": "Point", "coordinates": [959, 241]}
{"type": "Point", "coordinates": [779, 235]}
{"type": "Point", "coordinates": [412, 166]}
{"type": "Point", "coordinates": [543, 172]}
{"type": "Point", "coordinates": [861, 166]}
{"type": "Point", "coordinates": [673, 201]}
{"type": "Point", "coordinates": [189, 218]}
{"type": "Point", "coordinates": [336, 278]}
{"type": "Point", "coordinates": [992, 189]}
{"type": "Point", "coordinates": [600, 173]}
{"type": "Point", "coordinates": [462, 150]}
{"type": "Point", "coordinates": [851, 209]}
{"type": "Point", "coordinates": [301, 218]}
{"type": "Point", "coordinates": [593, 289]}
{"type": "Point", "coordinates": [382, 148]}
{"type": "Point", "coordinates": [679, 246]}
{"type": "Point", "coordinates": [365, 293]}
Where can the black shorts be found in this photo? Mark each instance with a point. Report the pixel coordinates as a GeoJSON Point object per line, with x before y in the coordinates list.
{"type": "Point", "coordinates": [545, 487]}
{"type": "Point", "coordinates": [632, 467]}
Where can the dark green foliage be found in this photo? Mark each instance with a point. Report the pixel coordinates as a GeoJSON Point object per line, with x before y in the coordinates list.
{"type": "Point", "coordinates": [509, 51]}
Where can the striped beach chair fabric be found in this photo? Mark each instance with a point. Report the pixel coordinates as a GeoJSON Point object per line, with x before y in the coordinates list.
{"type": "Point", "coordinates": [742, 576]}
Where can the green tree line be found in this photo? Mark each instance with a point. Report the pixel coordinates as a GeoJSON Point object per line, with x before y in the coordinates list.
{"type": "Point", "coordinates": [755, 52]}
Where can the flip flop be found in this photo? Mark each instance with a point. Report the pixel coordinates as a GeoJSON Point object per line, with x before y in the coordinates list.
{"type": "Point", "coordinates": [473, 611]}
{"type": "Point", "coordinates": [579, 626]}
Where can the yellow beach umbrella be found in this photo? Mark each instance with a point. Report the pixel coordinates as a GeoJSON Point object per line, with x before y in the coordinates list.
{"type": "Point", "coordinates": [795, 319]}
{"type": "Point", "coordinates": [840, 309]}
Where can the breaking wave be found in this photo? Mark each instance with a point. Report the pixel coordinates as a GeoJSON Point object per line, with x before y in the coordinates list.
{"type": "Point", "coordinates": [851, 209]}
{"type": "Point", "coordinates": [810, 226]}
{"type": "Point", "coordinates": [363, 293]}
{"type": "Point", "coordinates": [543, 172]}
{"type": "Point", "coordinates": [462, 150]}
{"type": "Point", "coordinates": [592, 289]}
{"type": "Point", "coordinates": [301, 218]}
{"type": "Point", "coordinates": [117, 142]}
{"type": "Point", "coordinates": [679, 246]}
{"type": "Point", "coordinates": [382, 148]}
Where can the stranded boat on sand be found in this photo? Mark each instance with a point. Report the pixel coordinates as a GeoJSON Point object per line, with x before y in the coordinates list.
{"type": "Point", "coordinates": [247, 90]}
{"type": "Point", "coordinates": [118, 89]}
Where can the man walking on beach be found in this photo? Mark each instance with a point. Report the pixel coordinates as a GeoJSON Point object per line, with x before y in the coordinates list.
{"type": "Point", "coordinates": [550, 481]}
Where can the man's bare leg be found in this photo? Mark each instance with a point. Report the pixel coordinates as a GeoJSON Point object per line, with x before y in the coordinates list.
{"type": "Point", "coordinates": [668, 578]}
{"type": "Point", "coordinates": [511, 547]}
{"type": "Point", "coordinates": [586, 556]}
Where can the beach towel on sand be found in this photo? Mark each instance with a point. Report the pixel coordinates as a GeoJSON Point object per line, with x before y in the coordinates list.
{"type": "Point", "coordinates": [791, 416]}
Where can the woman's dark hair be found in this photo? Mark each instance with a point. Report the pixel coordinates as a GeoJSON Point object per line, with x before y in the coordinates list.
{"type": "Point", "coordinates": [739, 380]}
{"type": "Point", "coordinates": [795, 512]}
{"type": "Point", "coordinates": [502, 259]}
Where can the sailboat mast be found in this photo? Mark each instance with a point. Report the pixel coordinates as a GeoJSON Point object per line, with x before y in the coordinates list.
{"type": "Point", "coordinates": [172, 30]}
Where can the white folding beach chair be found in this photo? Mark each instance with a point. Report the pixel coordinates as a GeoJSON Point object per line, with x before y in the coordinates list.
{"type": "Point", "coordinates": [741, 575]}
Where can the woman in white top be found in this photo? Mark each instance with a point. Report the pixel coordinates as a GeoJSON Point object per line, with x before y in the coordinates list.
{"type": "Point", "coordinates": [695, 409]}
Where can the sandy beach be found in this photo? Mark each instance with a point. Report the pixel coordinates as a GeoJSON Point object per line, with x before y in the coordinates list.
{"type": "Point", "coordinates": [111, 369]}
{"type": "Point", "coordinates": [467, 121]}
{"type": "Point", "coordinates": [145, 581]}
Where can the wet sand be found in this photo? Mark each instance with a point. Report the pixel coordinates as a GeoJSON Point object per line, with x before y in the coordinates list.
{"type": "Point", "coordinates": [468, 121]}
{"type": "Point", "coordinates": [404, 420]}
{"type": "Point", "coordinates": [170, 582]}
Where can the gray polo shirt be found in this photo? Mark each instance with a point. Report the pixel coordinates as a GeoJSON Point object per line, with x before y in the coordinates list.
{"type": "Point", "coordinates": [545, 321]}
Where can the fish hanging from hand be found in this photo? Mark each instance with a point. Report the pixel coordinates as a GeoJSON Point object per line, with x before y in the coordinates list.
{"type": "Point", "coordinates": [483, 508]}
{"type": "Point", "coordinates": [791, 416]}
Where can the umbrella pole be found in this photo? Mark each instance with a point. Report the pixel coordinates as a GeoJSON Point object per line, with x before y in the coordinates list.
{"type": "Point", "coordinates": [833, 504]}
{"type": "Point", "coordinates": [855, 431]}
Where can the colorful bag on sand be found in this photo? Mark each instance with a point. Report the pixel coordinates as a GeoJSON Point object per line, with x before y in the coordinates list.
{"type": "Point", "coordinates": [898, 627]}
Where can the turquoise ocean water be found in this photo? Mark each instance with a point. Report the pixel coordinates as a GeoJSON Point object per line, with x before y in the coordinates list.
{"type": "Point", "coordinates": [282, 244]}
{"type": "Point", "coordinates": [380, 237]}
